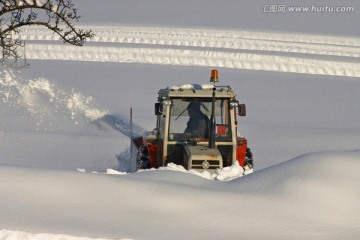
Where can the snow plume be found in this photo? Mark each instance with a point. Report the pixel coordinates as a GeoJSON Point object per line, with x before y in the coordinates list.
{"type": "Point", "coordinates": [122, 125]}
{"type": "Point", "coordinates": [43, 99]}
{"type": "Point", "coordinates": [78, 104]}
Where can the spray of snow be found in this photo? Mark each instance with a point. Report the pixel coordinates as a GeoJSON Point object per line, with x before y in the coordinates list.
{"type": "Point", "coordinates": [79, 104]}
{"type": "Point", "coordinates": [43, 99]}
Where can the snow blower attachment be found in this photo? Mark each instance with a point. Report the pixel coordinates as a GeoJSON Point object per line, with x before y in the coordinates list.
{"type": "Point", "coordinates": [196, 127]}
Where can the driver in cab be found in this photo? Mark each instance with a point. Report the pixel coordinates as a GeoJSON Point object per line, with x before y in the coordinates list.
{"type": "Point", "coordinates": [198, 123]}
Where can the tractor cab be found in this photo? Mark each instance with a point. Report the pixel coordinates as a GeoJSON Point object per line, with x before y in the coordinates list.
{"type": "Point", "coordinates": [196, 127]}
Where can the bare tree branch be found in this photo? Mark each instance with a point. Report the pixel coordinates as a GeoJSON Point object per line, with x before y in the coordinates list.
{"type": "Point", "coordinates": [56, 15]}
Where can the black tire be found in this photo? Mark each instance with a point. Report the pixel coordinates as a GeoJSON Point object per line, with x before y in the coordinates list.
{"type": "Point", "coordinates": [249, 158]}
{"type": "Point", "coordinates": [143, 159]}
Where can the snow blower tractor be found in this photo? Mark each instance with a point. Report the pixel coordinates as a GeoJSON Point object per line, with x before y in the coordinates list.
{"type": "Point", "coordinates": [196, 127]}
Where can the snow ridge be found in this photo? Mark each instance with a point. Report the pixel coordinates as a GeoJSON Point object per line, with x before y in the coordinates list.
{"type": "Point", "coordinates": [211, 38]}
{"type": "Point", "coordinates": [181, 57]}
{"type": "Point", "coordinates": [321, 55]}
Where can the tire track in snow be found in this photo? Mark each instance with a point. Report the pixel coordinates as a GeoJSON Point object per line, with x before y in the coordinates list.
{"type": "Point", "coordinates": [222, 48]}
{"type": "Point", "coordinates": [207, 38]}
{"type": "Point", "coordinates": [239, 40]}
{"type": "Point", "coordinates": [186, 57]}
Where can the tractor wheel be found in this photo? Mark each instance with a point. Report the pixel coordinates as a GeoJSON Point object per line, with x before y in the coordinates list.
{"type": "Point", "coordinates": [249, 158]}
{"type": "Point", "coordinates": [143, 158]}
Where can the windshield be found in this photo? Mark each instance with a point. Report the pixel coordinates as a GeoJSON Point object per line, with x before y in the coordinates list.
{"type": "Point", "coordinates": [192, 116]}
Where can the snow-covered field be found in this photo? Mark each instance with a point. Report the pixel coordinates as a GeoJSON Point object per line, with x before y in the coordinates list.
{"type": "Point", "coordinates": [61, 159]}
{"type": "Point", "coordinates": [207, 47]}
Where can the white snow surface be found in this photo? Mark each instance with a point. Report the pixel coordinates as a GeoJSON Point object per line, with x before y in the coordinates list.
{"type": "Point", "coordinates": [64, 146]}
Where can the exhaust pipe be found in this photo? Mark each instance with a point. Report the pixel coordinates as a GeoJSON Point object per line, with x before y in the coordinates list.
{"type": "Point", "coordinates": [214, 78]}
{"type": "Point", "coordinates": [212, 134]}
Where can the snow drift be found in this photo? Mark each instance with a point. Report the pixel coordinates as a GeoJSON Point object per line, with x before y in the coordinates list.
{"type": "Point", "coordinates": [272, 203]}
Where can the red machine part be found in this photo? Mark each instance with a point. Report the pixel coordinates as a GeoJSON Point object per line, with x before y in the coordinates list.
{"type": "Point", "coordinates": [152, 148]}
{"type": "Point", "coordinates": [241, 145]}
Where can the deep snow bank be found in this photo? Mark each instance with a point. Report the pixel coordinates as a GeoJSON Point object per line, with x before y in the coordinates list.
{"type": "Point", "coordinates": [313, 195]}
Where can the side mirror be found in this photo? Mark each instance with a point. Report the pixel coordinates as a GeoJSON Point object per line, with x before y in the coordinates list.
{"type": "Point", "coordinates": [158, 109]}
{"type": "Point", "coordinates": [242, 110]}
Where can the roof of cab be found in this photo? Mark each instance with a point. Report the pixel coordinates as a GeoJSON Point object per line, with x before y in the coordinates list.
{"type": "Point", "coordinates": [195, 90]}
